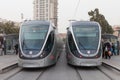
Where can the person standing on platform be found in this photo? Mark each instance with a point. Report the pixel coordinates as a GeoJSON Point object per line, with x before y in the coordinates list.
{"type": "Point", "coordinates": [3, 48]}
{"type": "Point", "coordinates": [113, 49]}
{"type": "Point", "coordinates": [107, 50]}
{"type": "Point", "coordinates": [16, 49]}
{"type": "Point", "coordinates": [0, 50]}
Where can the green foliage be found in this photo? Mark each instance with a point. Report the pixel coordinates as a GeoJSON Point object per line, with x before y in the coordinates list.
{"type": "Point", "coordinates": [96, 16]}
{"type": "Point", "coordinates": [8, 28]}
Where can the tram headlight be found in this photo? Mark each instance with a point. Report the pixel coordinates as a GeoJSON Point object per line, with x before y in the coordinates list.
{"type": "Point", "coordinates": [80, 56]}
{"type": "Point", "coordinates": [42, 55]}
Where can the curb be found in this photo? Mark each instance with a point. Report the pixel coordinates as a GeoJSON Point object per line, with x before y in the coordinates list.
{"type": "Point", "coordinates": [8, 67]}
{"type": "Point", "coordinates": [113, 66]}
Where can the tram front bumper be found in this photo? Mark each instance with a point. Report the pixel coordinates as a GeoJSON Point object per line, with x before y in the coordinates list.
{"type": "Point", "coordinates": [85, 62]}
{"type": "Point", "coordinates": [31, 63]}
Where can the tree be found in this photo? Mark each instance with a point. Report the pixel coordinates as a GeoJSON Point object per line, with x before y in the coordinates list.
{"type": "Point", "coordinates": [96, 16]}
{"type": "Point", "coordinates": [1, 27]}
{"type": "Point", "coordinates": [8, 27]}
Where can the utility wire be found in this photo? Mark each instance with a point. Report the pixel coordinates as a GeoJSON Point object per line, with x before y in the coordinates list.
{"type": "Point", "coordinates": [76, 8]}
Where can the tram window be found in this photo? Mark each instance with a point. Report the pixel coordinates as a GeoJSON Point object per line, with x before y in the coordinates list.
{"type": "Point", "coordinates": [92, 34]}
{"type": "Point", "coordinates": [35, 35]}
{"type": "Point", "coordinates": [52, 36]}
{"type": "Point", "coordinates": [50, 42]}
{"type": "Point", "coordinates": [71, 42]}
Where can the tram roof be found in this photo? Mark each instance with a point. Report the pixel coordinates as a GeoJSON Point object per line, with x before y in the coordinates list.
{"type": "Point", "coordinates": [36, 22]}
{"type": "Point", "coordinates": [84, 23]}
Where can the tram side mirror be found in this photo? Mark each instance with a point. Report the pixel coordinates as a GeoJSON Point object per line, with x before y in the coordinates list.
{"type": "Point", "coordinates": [67, 28]}
{"type": "Point", "coordinates": [54, 27]}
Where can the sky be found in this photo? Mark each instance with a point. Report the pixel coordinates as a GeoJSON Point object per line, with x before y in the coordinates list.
{"type": "Point", "coordinates": [67, 10]}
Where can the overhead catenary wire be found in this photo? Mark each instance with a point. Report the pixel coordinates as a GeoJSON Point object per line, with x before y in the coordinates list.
{"type": "Point", "coordinates": [76, 8]}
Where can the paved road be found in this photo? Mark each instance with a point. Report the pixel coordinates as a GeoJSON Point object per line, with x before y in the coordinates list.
{"type": "Point", "coordinates": [61, 71]}
{"type": "Point", "coordinates": [6, 59]}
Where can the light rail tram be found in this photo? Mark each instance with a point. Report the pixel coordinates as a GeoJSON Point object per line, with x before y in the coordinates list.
{"type": "Point", "coordinates": [83, 44]}
{"type": "Point", "coordinates": [39, 44]}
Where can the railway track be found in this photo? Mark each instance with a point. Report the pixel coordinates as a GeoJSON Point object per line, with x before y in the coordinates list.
{"type": "Point", "coordinates": [104, 72]}
{"type": "Point", "coordinates": [78, 74]}
{"type": "Point", "coordinates": [27, 74]}
{"type": "Point", "coordinates": [64, 72]}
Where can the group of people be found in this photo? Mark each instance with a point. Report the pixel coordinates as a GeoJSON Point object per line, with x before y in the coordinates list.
{"type": "Point", "coordinates": [2, 51]}
{"type": "Point", "coordinates": [108, 50]}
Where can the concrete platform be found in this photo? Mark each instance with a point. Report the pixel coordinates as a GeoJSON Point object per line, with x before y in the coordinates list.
{"type": "Point", "coordinates": [8, 62]}
{"type": "Point", "coordinates": [113, 62]}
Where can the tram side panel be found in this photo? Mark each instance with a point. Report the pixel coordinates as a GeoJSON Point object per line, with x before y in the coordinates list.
{"type": "Point", "coordinates": [52, 58]}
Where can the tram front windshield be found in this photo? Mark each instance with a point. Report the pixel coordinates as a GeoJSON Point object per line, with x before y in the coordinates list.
{"type": "Point", "coordinates": [87, 36]}
{"type": "Point", "coordinates": [33, 37]}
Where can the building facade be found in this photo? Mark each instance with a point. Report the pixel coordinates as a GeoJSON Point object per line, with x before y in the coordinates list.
{"type": "Point", "coordinates": [116, 29]}
{"type": "Point", "coordinates": [46, 10]}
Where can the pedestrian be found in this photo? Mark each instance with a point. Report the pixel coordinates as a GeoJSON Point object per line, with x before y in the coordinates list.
{"type": "Point", "coordinates": [103, 48]}
{"type": "Point", "coordinates": [0, 50]}
{"type": "Point", "coordinates": [107, 50]}
{"type": "Point", "coordinates": [16, 48]}
{"type": "Point", "coordinates": [113, 49]}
